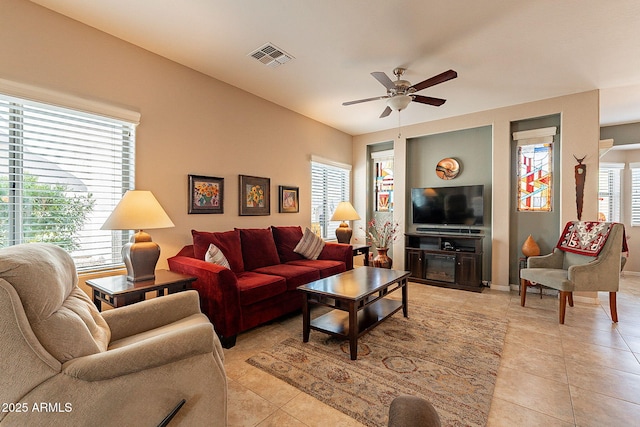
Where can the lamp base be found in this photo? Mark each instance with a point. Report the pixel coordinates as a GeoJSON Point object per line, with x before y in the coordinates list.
{"type": "Point", "coordinates": [343, 233]}
{"type": "Point", "coordinates": [140, 256]}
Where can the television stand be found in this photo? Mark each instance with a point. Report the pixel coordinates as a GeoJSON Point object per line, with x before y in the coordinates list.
{"type": "Point", "coordinates": [446, 259]}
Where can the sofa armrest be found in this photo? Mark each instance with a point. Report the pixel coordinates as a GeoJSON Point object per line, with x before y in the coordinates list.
{"type": "Point", "coordinates": [218, 290]}
{"type": "Point", "coordinates": [552, 260]}
{"type": "Point", "coordinates": [150, 314]}
{"type": "Point", "coordinates": [150, 353]}
{"type": "Point", "coordinates": [338, 252]}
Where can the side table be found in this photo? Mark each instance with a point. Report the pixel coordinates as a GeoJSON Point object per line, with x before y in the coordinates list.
{"type": "Point", "coordinates": [361, 250]}
{"type": "Point", "coordinates": [117, 291]}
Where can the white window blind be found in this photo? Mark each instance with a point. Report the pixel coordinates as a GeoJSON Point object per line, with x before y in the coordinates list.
{"type": "Point", "coordinates": [635, 194]}
{"type": "Point", "coordinates": [329, 186]}
{"type": "Point", "coordinates": [61, 174]}
{"type": "Point", "coordinates": [609, 191]}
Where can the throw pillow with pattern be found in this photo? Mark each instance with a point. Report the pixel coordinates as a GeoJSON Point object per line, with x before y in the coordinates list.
{"type": "Point", "coordinates": [310, 245]}
{"type": "Point", "coordinates": [215, 256]}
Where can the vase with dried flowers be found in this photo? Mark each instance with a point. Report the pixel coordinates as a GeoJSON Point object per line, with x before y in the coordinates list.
{"type": "Point", "coordinates": [382, 235]}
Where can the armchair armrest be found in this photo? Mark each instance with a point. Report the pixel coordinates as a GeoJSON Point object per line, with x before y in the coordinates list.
{"type": "Point", "coordinates": [601, 274]}
{"type": "Point", "coordinates": [150, 353]}
{"type": "Point", "coordinates": [218, 289]}
{"type": "Point", "coordinates": [338, 252]}
{"type": "Point", "coordinates": [150, 314]}
{"type": "Point", "coordinates": [553, 260]}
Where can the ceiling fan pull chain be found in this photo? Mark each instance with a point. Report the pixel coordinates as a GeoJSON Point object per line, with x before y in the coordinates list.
{"type": "Point", "coordinates": [399, 130]}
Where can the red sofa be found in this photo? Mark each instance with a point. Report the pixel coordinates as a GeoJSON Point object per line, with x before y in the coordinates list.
{"type": "Point", "coordinates": [261, 283]}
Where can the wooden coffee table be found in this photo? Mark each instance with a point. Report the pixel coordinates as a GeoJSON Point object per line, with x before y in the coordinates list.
{"type": "Point", "coordinates": [358, 299]}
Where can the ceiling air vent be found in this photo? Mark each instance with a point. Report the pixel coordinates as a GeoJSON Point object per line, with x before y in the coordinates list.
{"type": "Point", "coordinates": [271, 55]}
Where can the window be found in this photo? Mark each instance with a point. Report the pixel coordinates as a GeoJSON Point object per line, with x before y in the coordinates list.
{"type": "Point", "coordinates": [635, 194]}
{"type": "Point", "coordinates": [62, 172]}
{"type": "Point", "coordinates": [609, 192]}
{"type": "Point", "coordinates": [535, 169]}
{"type": "Point", "coordinates": [329, 186]}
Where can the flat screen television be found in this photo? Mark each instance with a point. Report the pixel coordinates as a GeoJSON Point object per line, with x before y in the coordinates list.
{"type": "Point", "coordinates": [461, 205]}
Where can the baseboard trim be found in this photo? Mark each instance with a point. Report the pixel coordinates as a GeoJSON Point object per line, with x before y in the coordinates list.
{"type": "Point", "coordinates": [503, 288]}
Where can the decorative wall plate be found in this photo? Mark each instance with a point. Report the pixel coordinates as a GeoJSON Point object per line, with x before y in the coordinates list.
{"type": "Point", "coordinates": [447, 168]}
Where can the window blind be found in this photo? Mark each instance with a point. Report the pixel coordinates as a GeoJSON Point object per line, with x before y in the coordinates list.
{"type": "Point", "coordinates": [609, 191]}
{"type": "Point", "coordinates": [330, 185]}
{"type": "Point", "coordinates": [62, 172]}
{"type": "Point", "coordinates": [635, 194]}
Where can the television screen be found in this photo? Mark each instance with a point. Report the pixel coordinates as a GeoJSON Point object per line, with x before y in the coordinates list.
{"type": "Point", "coordinates": [462, 205]}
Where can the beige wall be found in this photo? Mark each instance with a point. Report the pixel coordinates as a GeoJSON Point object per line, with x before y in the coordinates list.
{"type": "Point", "coordinates": [195, 124]}
{"type": "Point", "coordinates": [190, 124]}
{"type": "Point", "coordinates": [579, 136]}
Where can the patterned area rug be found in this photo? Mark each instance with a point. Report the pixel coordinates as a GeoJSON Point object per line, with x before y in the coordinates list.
{"type": "Point", "coordinates": [447, 358]}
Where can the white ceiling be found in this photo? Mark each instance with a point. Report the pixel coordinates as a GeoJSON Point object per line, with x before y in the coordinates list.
{"type": "Point", "coordinates": [506, 52]}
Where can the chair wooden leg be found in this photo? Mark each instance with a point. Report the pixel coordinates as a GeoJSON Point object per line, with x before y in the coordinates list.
{"type": "Point", "coordinates": [613, 307]}
{"type": "Point", "coordinates": [523, 291]}
{"type": "Point", "coordinates": [570, 299]}
{"type": "Point", "coordinates": [563, 305]}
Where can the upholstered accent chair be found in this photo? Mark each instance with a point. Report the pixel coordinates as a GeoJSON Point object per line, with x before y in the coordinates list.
{"type": "Point", "coordinates": [64, 363]}
{"type": "Point", "coordinates": [569, 270]}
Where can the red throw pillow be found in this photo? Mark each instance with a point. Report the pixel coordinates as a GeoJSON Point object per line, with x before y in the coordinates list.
{"type": "Point", "coordinates": [227, 241]}
{"type": "Point", "coordinates": [286, 239]}
{"type": "Point", "coordinates": [258, 248]}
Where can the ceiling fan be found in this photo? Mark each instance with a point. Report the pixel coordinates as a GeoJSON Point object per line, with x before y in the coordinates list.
{"type": "Point", "coordinates": [400, 93]}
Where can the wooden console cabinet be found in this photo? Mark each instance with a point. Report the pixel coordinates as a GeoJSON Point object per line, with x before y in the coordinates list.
{"type": "Point", "coordinates": [444, 259]}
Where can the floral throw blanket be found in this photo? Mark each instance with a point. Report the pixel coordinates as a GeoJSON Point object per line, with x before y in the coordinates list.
{"type": "Point", "coordinates": [587, 237]}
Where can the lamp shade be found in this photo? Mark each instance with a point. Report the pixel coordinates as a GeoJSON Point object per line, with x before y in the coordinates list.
{"type": "Point", "coordinates": [138, 210]}
{"type": "Point", "coordinates": [345, 212]}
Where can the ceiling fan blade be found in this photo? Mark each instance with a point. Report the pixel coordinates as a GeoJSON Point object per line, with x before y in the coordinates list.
{"type": "Point", "coordinates": [428, 100]}
{"type": "Point", "coordinates": [375, 98]}
{"type": "Point", "coordinates": [440, 78]}
{"type": "Point", "coordinates": [386, 112]}
{"type": "Point", "coordinates": [384, 79]}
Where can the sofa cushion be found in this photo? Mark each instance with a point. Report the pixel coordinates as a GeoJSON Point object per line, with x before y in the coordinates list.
{"type": "Point", "coordinates": [255, 287]}
{"type": "Point", "coordinates": [310, 245]}
{"type": "Point", "coordinates": [326, 267]}
{"type": "Point", "coordinates": [258, 248]}
{"type": "Point", "coordinates": [286, 239]}
{"type": "Point", "coordinates": [295, 275]}
{"type": "Point", "coordinates": [214, 255]}
{"type": "Point", "coordinates": [227, 241]}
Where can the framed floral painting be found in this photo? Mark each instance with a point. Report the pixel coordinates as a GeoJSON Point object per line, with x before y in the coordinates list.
{"type": "Point", "coordinates": [255, 195]}
{"type": "Point", "coordinates": [206, 194]}
{"type": "Point", "coordinates": [288, 198]}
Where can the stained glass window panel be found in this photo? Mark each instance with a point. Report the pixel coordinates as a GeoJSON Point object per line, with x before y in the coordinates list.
{"type": "Point", "coordinates": [535, 168]}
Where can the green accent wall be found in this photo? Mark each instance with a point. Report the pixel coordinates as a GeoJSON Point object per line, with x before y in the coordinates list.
{"type": "Point", "coordinates": [472, 148]}
{"type": "Point", "coordinates": [543, 226]}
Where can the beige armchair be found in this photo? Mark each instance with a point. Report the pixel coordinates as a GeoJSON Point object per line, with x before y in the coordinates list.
{"type": "Point", "coordinates": [64, 363]}
{"type": "Point", "coordinates": [568, 272]}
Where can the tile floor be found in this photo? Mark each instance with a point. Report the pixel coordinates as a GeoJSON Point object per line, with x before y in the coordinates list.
{"type": "Point", "coordinates": [583, 373]}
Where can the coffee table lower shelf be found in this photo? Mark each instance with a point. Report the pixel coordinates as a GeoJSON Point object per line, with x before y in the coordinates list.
{"type": "Point", "coordinates": [336, 322]}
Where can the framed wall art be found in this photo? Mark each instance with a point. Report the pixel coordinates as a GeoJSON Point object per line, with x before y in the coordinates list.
{"type": "Point", "coordinates": [206, 194]}
{"type": "Point", "coordinates": [255, 195]}
{"type": "Point", "coordinates": [288, 199]}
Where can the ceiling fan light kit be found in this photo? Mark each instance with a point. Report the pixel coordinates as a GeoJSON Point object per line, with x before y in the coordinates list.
{"type": "Point", "coordinates": [400, 93]}
{"type": "Point", "coordinates": [399, 102]}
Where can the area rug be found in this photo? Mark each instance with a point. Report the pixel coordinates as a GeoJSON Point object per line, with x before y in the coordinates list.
{"type": "Point", "coordinates": [448, 358]}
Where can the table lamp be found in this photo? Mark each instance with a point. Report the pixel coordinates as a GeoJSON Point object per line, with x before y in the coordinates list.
{"type": "Point", "coordinates": [344, 212]}
{"type": "Point", "coordinates": [139, 210]}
